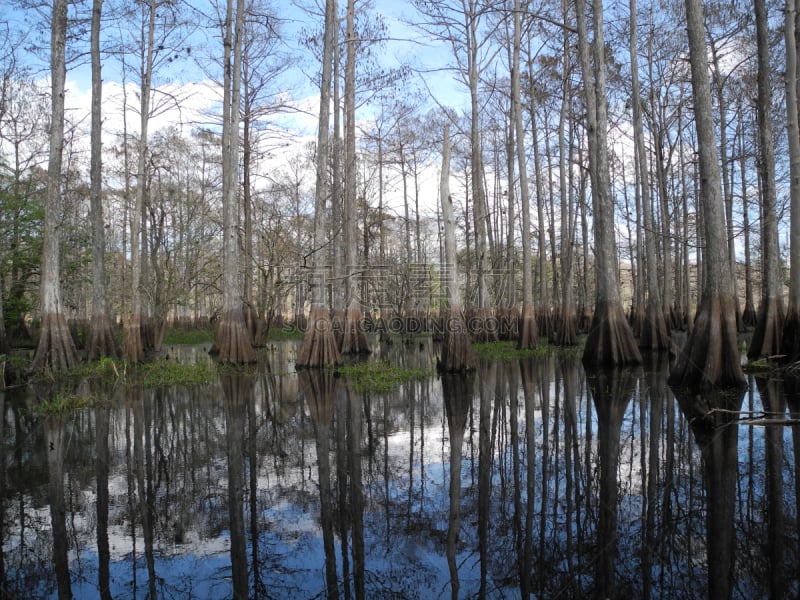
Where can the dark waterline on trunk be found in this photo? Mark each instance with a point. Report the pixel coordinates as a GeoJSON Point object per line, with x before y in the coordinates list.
{"type": "Point", "coordinates": [565, 483]}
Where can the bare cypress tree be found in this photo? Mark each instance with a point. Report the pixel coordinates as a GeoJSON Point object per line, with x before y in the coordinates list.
{"type": "Point", "coordinates": [319, 343]}
{"type": "Point", "coordinates": [132, 341]}
{"type": "Point", "coordinates": [567, 334]}
{"type": "Point", "coordinates": [102, 341]}
{"type": "Point", "coordinates": [3, 338]}
{"type": "Point", "coordinates": [749, 315]}
{"type": "Point", "coordinates": [529, 333]}
{"type": "Point", "coordinates": [456, 349]}
{"type": "Point", "coordinates": [654, 332]}
{"type": "Point", "coordinates": [232, 342]}
{"type": "Point", "coordinates": [610, 340]}
{"type": "Point", "coordinates": [484, 329]}
{"type": "Point", "coordinates": [354, 340]}
{"type": "Point", "coordinates": [56, 348]}
{"type": "Point", "coordinates": [710, 357]}
{"type": "Point", "coordinates": [790, 345]}
{"type": "Point", "coordinates": [766, 340]}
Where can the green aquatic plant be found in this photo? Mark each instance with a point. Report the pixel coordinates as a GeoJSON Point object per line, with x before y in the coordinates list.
{"type": "Point", "coordinates": [188, 337]}
{"type": "Point", "coordinates": [508, 350]}
{"type": "Point", "coordinates": [287, 332]}
{"type": "Point", "coordinates": [381, 376]}
{"type": "Point", "coordinates": [164, 373]}
{"type": "Point", "coordinates": [62, 402]}
{"type": "Point", "coordinates": [149, 374]}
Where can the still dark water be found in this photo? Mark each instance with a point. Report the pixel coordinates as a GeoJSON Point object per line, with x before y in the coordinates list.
{"type": "Point", "coordinates": [531, 479]}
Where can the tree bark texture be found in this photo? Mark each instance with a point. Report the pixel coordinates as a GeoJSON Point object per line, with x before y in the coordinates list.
{"type": "Point", "coordinates": [457, 355]}
{"type": "Point", "coordinates": [790, 345]}
{"type": "Point", "coordinates": [482, 329]}
{"type": "Point", "coordinates": [610, 340]}
{"type": "Point", "coordinates": [654, 335]}
{"type": "Point", "coordinates": [528, 330]}
{"type": "Point", "coordinates": [232, 342]}
{"type": "Point", "coordinates": [56, 349]}
{"type": "Point", "coordinates": [319, 347]}
{"type": "Point", "coordinates": [354, 339]}
{"type": "Point", "coordinates": [710, 357]}
{"type": "Point", "coordinates": [102, 341]}
{"type": "Point", "coordinates": [133, 344]}
{"type": "Point", "coordinates": [766, 340]}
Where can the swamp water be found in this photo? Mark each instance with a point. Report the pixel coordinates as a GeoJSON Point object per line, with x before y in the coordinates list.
{"type": "Point", "coordinates": [531, 479]}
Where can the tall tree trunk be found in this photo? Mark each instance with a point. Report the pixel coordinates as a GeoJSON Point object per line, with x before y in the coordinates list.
{"type": "Point", "coordinates": [255, 319]}
{"type": "Point", "coordinates": [102, 341]}
{"type": "Point", "coordinates": [654, 332]}
{"type": "Point", "coordinates": [749, 316]}
{"type": "Point", "coordinates": [727, 191]}
{"type": "Point", "coordinates": [529, 334]}
{"type": "Point", "coordinates": [568, 328]}
{"type": "Point", "coordinates": [232, 342]}
{"type": "Point", "coordinates": [354, 340]}
{"type": "Point", "coordinates": [766, 340]}
{"type": "Point", "coordinates": [610, 340]}
{"type": "Point", "coordinates": [790, 345]}
{"type": "Point", "coordinates": [3, 338]}
{"type": "Point", "coordinates": [457, 353]}
{"type": "Point", "coordinates": [56, 348]}
{"type": "Point", "coordinates": [484, 331]}
{"type": "Point", "coordinates": [510, 314]}
{"type": "Point", "coordinates": [132, 342]}
{"type": "Point", "coordinates": [336, 223]}
{"type": "Point", "coordinates": [545, 306]}
{"type": "Point", "coordinates": [319, 347]}
{"type": "Point", "coordinates": [710, 357]}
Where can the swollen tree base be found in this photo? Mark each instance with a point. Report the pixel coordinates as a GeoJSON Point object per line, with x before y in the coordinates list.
{"type": "Point", "coordinates": [710, 358]}
{"type": "Point", "coordinates": [132, 346]}
{"type": "Point", "coordinates": [767, 335]}
{"type": "Point", "coordinates": [790, 342]}
{"type": "Point", "coordinates": [636, 319]}
{"type": "Point", "coordinates": [457, 355]}
{"type": "Point", "coordinates": [529, 330]}
{"type": "Point", "coordinates": [319, 348]}
{"type": "Point", "coordinates": [749, 314]}
{"type": "Point", "coordinates": [354, 340]}
{"type": "Point", "coordinates": [102, 341]}
{"type": "Point", "coordinates": [544, 323]}
{"type": "Point", "coordinates": [654, 331]}
{"type": "Point", "coordinates": [56, 350]}
{"type": "Point", "coordinates": [484, 326]}
{"type": "Point", "coordinates": [232, 342]}
{"type": "Point", "coordinates": [567, 334]}
{"type": "Point", "coordinates": [610, 341]}
{"type": "Point", "coordinates": [509, 320]}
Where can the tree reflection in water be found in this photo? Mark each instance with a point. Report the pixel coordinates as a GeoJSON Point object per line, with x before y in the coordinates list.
{"type": "Point", "coordinates": [56, 439]}
{"type": "Point", "coordinates": [457, 396]}
{"type": "Point", "coordinates": [319, 389]}
{"type": "Point", "coordinates": [717, 435]}
{"type": "Point", "coordinates": [237, 390]}
{"type": "Point", "coordinates": [529, 478]}
{"type": "Point", "coordinates": [611, 392]}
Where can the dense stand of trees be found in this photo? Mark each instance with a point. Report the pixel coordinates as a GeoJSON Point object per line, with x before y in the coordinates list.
{"type": "Point", "coordinates": [600, 182]}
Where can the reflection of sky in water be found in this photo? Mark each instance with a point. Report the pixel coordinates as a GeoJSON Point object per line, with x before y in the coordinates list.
{"type": "Point", "coordinates": [405, 474]}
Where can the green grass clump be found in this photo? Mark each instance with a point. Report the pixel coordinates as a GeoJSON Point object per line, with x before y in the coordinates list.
{"type": "Point", "coordinates": [61, 403]}
{"type": "Point", "coordinates": [188, 337]}
{"type": "Point", "coordinates": [381, 376]}
{"type": "Point", "coordinates": [287, 332]}
{"type": "Point", "coordinates": [164, 373]}
{"type": "Point", "coordinates": [508, 350]}
{"type": "Point", "coordinates": [151, 374]}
